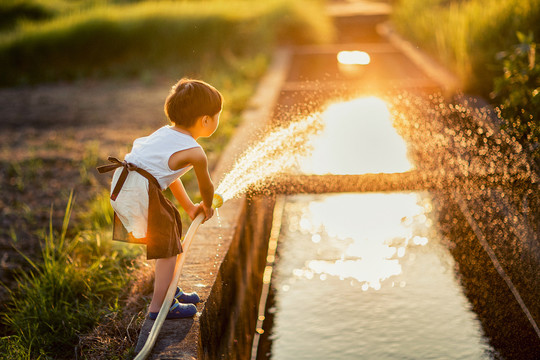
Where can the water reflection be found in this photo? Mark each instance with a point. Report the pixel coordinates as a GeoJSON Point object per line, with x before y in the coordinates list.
{"type": "Point", "coordinates": [353, 57]}
{"type": "Point", "coordinates": [357, 138]}
{"type": "Point", "coordinates": [353, 63]}
{"type": "Point", "coordinates": [366, 276]}
{"type": "Point", "coordinates": [367, 249]}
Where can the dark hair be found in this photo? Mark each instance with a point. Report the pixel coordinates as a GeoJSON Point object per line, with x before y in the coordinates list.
{"type": "Point", "coordinates": [190, 99]}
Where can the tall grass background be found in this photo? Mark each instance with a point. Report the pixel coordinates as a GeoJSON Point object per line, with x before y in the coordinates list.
{"type": "Point", "coordinates": [467, 35]}
{"type": "Point", "coordinates": [117, 39]}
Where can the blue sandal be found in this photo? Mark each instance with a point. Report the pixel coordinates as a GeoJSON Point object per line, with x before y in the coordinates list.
{"type": "Point", "coordinates": [186, 298]}
{"type": "Point", "coordinates": [177, 311]}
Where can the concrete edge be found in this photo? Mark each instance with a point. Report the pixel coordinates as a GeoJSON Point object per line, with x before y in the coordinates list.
{"type": "Point", "coordinates": [448, 81]}
{"type": "Point", "coordinates": [182, 339]}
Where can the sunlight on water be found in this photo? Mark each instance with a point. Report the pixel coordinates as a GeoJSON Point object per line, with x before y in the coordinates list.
{"type": "Point", "coordinates": [352, 63]}
{"type": "Point", "coordinates": [358, 138]}
{"type": "Point", "coordinates": [367, 276]}
{"type": "Point", "coordinates": [350, 137]}
{"type": "Point", "coordinates": [353, 57]}
{"type": "Point", "coordinates": [371, 246]}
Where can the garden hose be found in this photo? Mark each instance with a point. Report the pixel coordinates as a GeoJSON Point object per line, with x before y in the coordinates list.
{"type": "Point", "coordinates": [180, 259]}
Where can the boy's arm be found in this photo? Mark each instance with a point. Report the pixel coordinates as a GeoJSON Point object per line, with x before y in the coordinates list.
{"type": "Point", "coordinates": [197, 158]}
{"type": "Point", "coordinates": [179, 192]}
{"type": "Point", "coordinates": [206, 187]}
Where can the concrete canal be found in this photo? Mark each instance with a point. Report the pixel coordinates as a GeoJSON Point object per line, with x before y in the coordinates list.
{"type": "Point", "coordinates": [366, 276]}
{"type": "Point", "coordinates": [396, 275]}
{"type": "Point", "coordinates": [372, 275]}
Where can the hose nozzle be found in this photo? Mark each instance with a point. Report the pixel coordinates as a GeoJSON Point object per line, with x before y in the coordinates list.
{"type": "Point", "coordinates": [217, 201]}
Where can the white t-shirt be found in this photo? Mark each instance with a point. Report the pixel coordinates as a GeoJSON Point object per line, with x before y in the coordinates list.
{"type": "Point", "coordinates": [152, 154]}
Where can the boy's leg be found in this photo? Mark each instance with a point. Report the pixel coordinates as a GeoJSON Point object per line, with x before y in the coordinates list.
{"type": "Point", "coordinates": [164, 275]}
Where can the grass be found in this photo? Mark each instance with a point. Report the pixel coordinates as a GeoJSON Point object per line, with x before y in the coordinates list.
{"type": "Point", "coordinates": [98, 213]}
{"type": "Point", "coordinates": [89, 162]}
{"type": "Point", "coordinates": [22, 172]}
{"type": "Point", "coordinates": [76, 282]}
{"type": "Point", "coordinates": [467, 35]}
{"type": "Point", "coordinates": [130, 39]}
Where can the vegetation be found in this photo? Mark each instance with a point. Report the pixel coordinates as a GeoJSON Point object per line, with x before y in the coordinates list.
{"type": "Point", "coordinates": [518, 92]}
{"type": "Point", "coordinates": [467, 35]}
{"type": "Point", "coordinates": [14, 11]}
{"type": "Point", "coordinates": [127, 39]}
{"type": "Point", "coordinates": [476, 39]}
{"type": "Point", "coordinates": [78, 280]}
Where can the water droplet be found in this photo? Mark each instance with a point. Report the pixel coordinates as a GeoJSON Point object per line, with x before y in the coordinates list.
{"type": "Point", "coordinates": [365, 286]}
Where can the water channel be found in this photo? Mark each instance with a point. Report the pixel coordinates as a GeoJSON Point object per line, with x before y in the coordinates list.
{"type": "Point", "coordinates": [366, 276]}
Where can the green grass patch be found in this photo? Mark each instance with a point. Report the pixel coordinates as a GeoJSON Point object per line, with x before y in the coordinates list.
{"type": "Point", "coordinates": [76, 282]}
{"type": "Point", "coordinates": [98, 213]}
{"type": "Point", "coordinates": [130, 39]}
{"type": "Point", "coordinates": [467, 35]}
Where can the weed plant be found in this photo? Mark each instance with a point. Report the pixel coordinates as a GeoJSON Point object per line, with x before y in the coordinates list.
{"type": "Point", "coordinates": [98, 214]}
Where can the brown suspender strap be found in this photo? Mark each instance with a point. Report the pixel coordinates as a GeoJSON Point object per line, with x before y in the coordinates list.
{"type": "Point", "coordinates": [126, 168]}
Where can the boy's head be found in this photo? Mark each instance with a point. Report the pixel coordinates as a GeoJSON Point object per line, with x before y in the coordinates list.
{"type": "Point", "coordinates": [189, 99]}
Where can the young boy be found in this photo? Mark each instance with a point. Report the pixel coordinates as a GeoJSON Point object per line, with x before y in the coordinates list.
{"type": "Point", "coordinates": [155, 163]}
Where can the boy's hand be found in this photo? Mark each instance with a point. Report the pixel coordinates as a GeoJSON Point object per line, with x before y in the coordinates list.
{"type": "Point", "coordinates": [201, 208]}
{"type": "Point", "coordinates": [193, 211]}
{"type": "Point", "coordinates": [208, 211]}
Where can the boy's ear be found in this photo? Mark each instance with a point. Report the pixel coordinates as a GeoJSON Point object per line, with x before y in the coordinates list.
{"type": "Point", "coordinates": [202, 119]}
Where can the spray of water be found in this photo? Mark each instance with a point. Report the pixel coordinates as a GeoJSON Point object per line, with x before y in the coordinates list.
{"type": "Point", "coordinates": [274, 154]}
{"type": "Point", "coordinates": [457, 144]}
{"type": "Point", "coordinates": [459, 138]}
{"type": "Point", "coordinates": [449, 143]}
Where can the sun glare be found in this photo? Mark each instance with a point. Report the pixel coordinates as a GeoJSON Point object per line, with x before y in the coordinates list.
{"type": "Point", "coordinates": [358, 138]}
{"type": "Point", "coordinates": [353, 57]}
{"type": "Point", "coordinates": [373, 245]}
